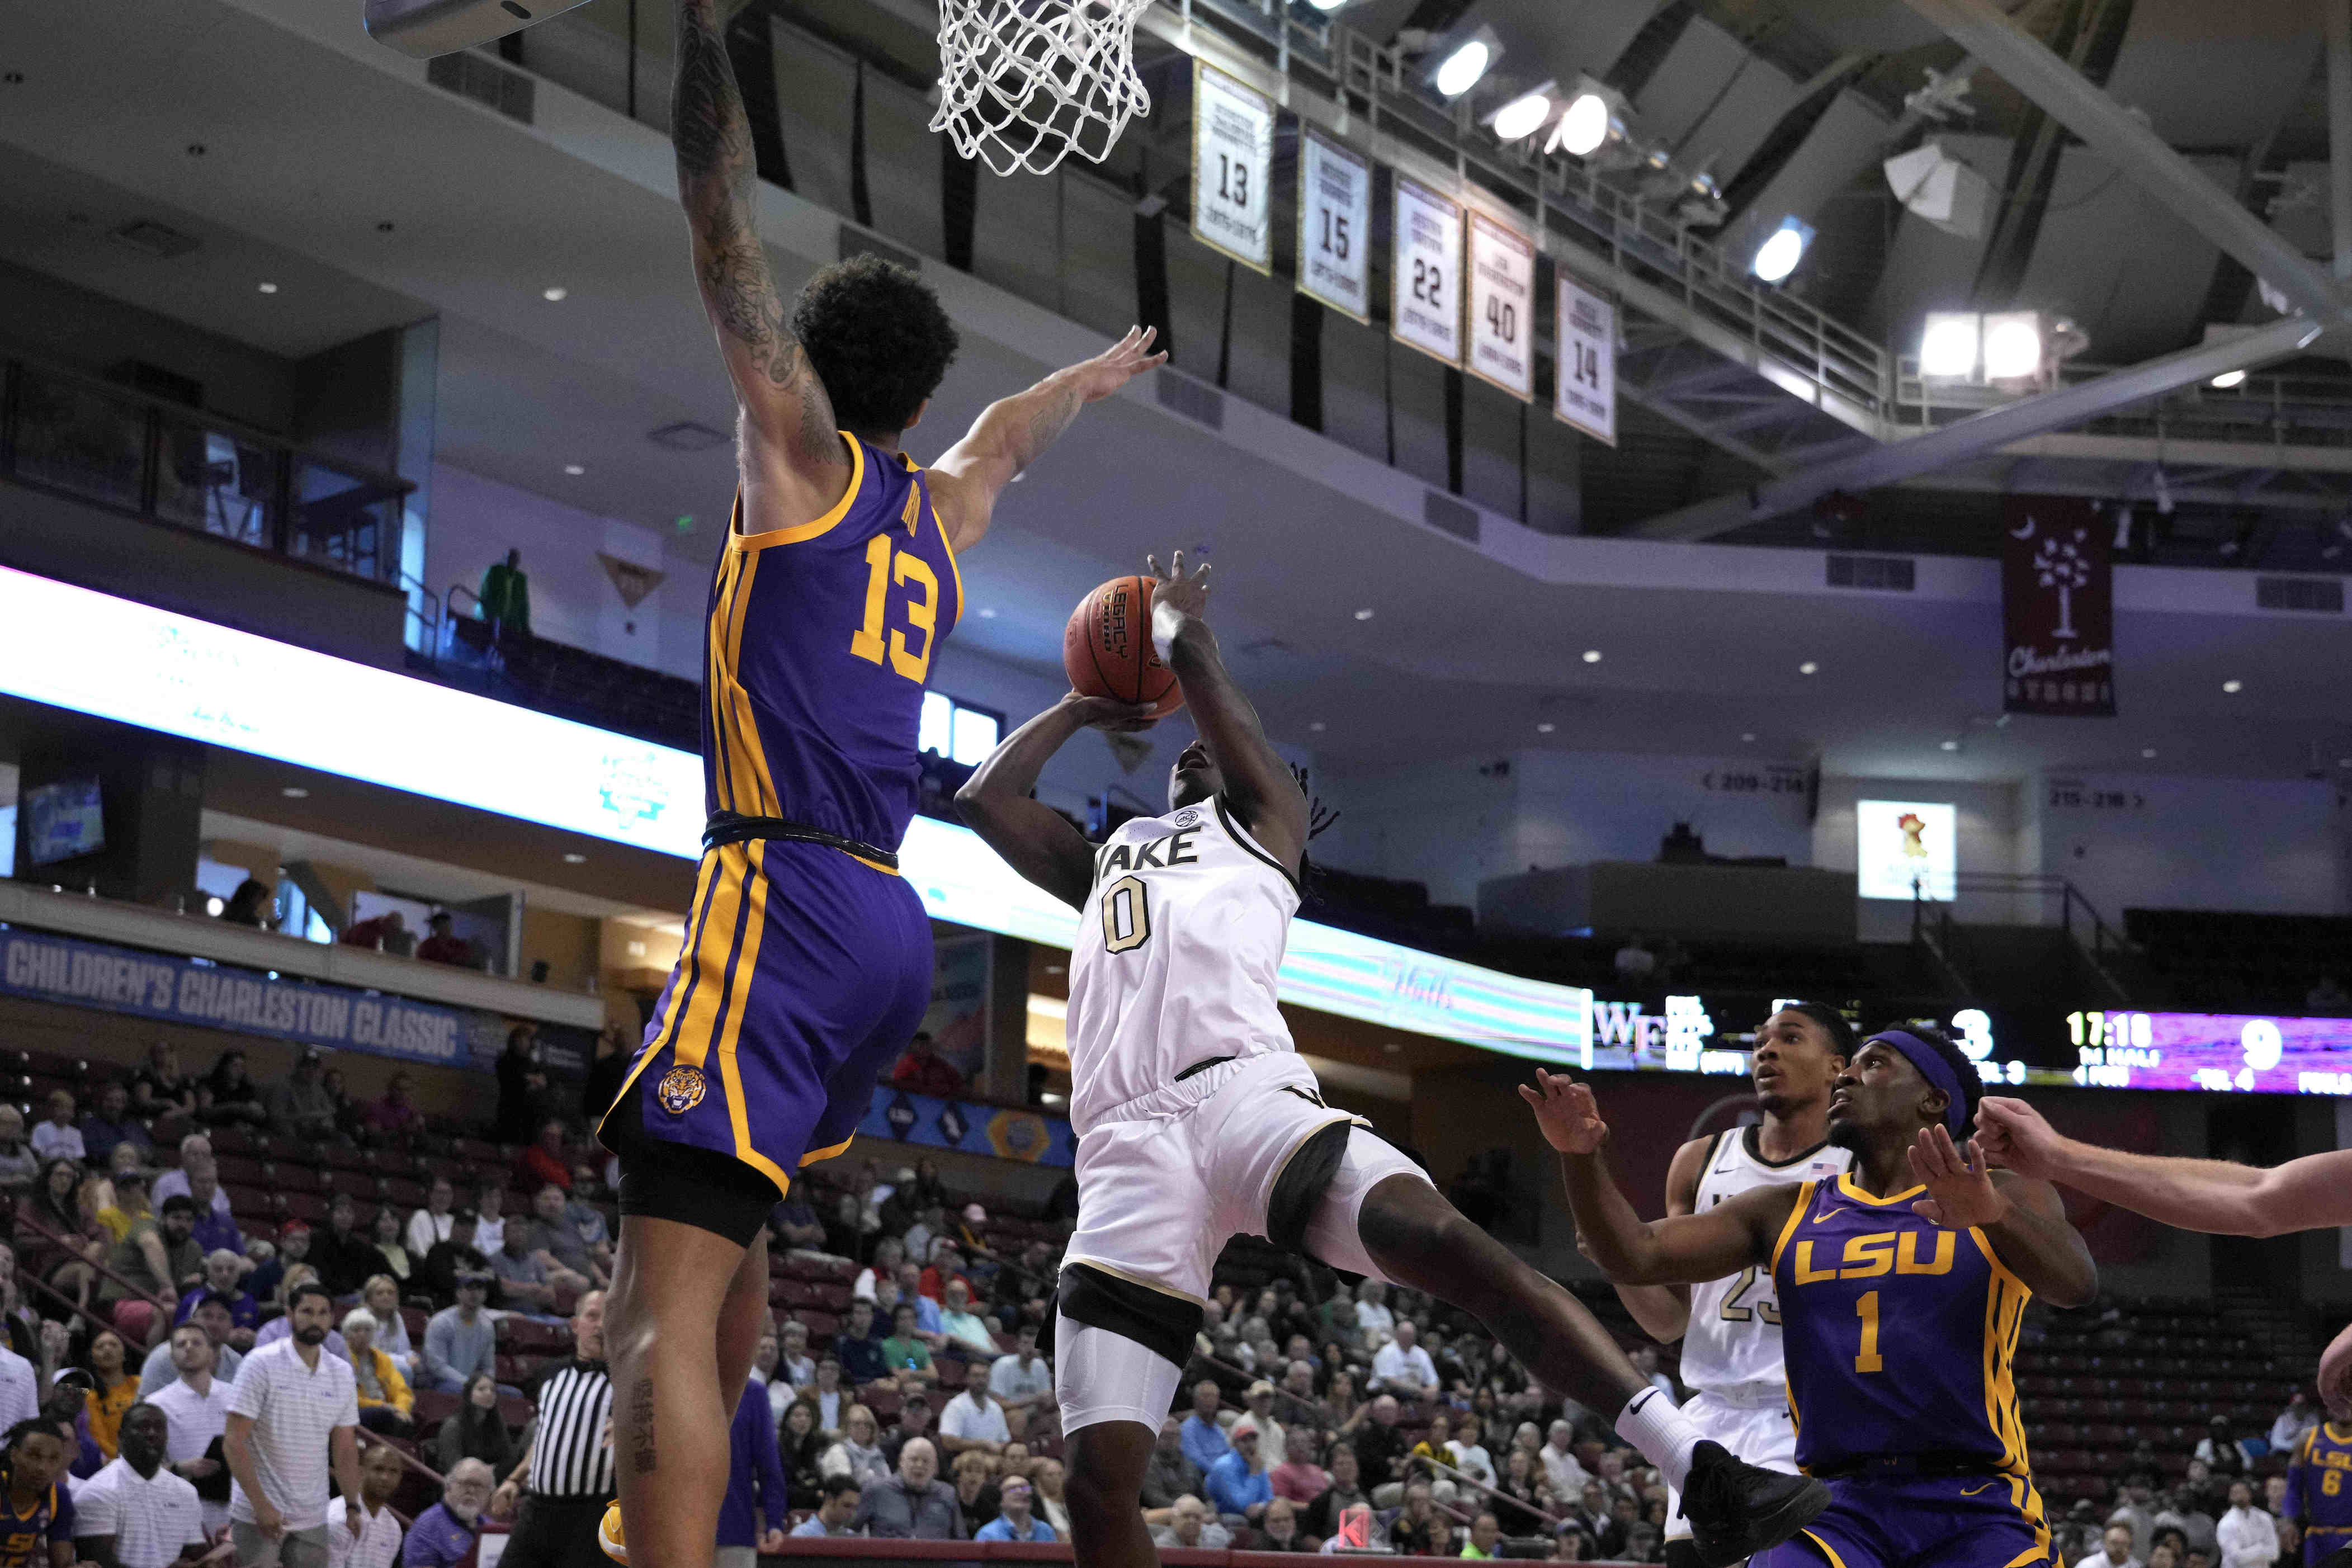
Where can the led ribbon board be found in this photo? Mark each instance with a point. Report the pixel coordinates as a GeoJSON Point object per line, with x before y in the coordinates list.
{"type": "Point", "coordinates": [91, 653]}
{"type": "Point", "coordinates": [2218, 1051]}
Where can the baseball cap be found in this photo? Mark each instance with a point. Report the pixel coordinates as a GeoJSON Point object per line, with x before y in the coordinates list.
{"type": "Point", "coordinates": [294, 1227]}
{"type": "Point", "coordinates": [1244, 1427]}
{"type": "Point", "coordinates": [1260, 1386]}
{"type": "Point", "coordinates": [974, 1212]}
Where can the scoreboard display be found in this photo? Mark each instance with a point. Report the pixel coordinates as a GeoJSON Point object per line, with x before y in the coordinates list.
{"type": "Point", "coordinates": [2216, 1051]}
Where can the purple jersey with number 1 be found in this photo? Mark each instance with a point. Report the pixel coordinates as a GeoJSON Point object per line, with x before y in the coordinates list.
{"type": "Point", "coordinates": [806, 968]}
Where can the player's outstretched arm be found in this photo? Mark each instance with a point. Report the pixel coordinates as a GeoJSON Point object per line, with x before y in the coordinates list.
{"type": "Point", "coordinates": [1259, 785]}
{"type": "Point", "coordinates": [1664, 1311]}
{"type": "Point", "coordinates": [789, 444]}
{"type": "Point", "coordinates": [2020, 1216]}
{"type": "Point", "coordinates": [1035, 839]}
{"type": "Point", "coordinates": [1686, 1248]}
{"type": "Point", "coordinates": [1012, 432]}
{"type": "Point", "coordinates": [2210, 1195]}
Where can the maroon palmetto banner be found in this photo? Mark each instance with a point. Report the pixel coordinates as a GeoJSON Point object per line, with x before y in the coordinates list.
{"type": "Point", "coordinates": [2057, 592]}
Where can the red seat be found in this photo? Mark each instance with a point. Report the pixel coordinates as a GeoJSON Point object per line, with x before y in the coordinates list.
{"type": "Point", "coordinates": [288, 1177]}
{"type": "Point", "coordinates": [308, 1207]}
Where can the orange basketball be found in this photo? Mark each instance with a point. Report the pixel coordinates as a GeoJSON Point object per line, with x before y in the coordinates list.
{"type": "Point", "coordinates": [1106, 648]}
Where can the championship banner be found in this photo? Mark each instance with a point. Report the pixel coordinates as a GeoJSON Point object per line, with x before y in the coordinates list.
{"type": "Point", "coordinates": [1233, 167]}
{"type": "Point", "coordinates": [2057, 594]}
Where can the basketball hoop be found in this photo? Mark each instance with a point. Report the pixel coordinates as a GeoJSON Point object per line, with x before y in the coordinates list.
{"type": "Point", "coordinates": [1023, 83]}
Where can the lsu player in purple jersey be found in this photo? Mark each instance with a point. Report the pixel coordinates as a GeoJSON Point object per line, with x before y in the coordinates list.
{"type": "Point", "coordinates": [807, 961]}
{"type": "Point", "coordinates": [2319, 1487]}
{"type": "Point", "coordinates": [1901, 1282]}
{"type": "Point", "coordinates": [37, 1512]}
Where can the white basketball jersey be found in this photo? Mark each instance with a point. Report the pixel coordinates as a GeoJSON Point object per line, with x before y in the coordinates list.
{"type": "Point", "coordinates": [1178, 946]}
{"type": "Point", "coordinates": [1734, 1337]}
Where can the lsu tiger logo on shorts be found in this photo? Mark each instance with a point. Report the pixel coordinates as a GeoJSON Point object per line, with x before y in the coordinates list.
{"type": "Point", "coordinates": [681, 1090]}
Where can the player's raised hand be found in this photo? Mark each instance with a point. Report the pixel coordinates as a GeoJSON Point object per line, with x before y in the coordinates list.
{"type": "Point", "coordinates": [2013, 1136]}
{"type": "Point", "coordinates": [1566, 1111]}
{"type": "Point", "coordinates": [1111, 713]}
{"type": "Point", "coordinates": [1186, 593]}
{"type": "Point", "coordinates": [1116, 366]}
{"type": "Point", "coordinates": [1960, 1193]}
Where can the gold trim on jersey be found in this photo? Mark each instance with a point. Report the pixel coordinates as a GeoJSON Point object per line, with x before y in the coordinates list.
{"type": "Point", "coordinates": [802, 532]}
{"type": "Point", "coordinates": [1797, 1212]}
{"type": "Point", "coordinates": [1846, 1186]}
{"type": "Point", "coordinates": [2005, 1299]}
{"type": "Point", "coordinates": [1827, 1549]}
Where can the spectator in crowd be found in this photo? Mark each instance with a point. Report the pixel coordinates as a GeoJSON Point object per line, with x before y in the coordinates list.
{"type": "Point", "coordinates": [1300, 1476]}
{"type": "Point", "coordinates": [1205, 1439]}
{"type": "Point", "coordinates": [430, 1225]}
{"type": "Point", "coordinates": [914, 1504]}
{"type": "Point", "coordinates": [164, 1363]}
{"type": "Point", "coordinates": [587, 1221]}
{"type": "Point", "coordinates": [752, 1516]}
{"type": "Point", "coordinates": [1375, 1322]}
{"type": "Point", "coordinates": [927, 1308]}
{"type": "Point", "coordinates": [387, 932]}
{"type": "Point", "coordinates": [914, 1421]}
{"type": "Point", "coordinates": [224, 1275]}
{"type": "Point", "coordinates": [111, 1123]}
{"type": "Point", "coordinates": [2299, 1416]}
{"type": "Point", "coordinates": [351, 1117]}
{"type": "Point", "coordinates": [57, 1138]}
{"type": "Point", "coordinates": [544, 1163]}
{"type": "Point", "coordinates": [888, 1255]}
{"type": "Point", "coordinates": [448, 1262]}
{"type": "Point", "coordinates": [1381, 1449]}
{"type": "Point", "coordinates": [1022, 1383]}
{"type": "Point", "coordinates": [461, 1342]}
{"type": "Point", "coordinates": [2221, 1453]}
{"type": "Point", "coordinates": [570, 1263]}
{"type": "Point", "coordinates": [522, 1087]}
{"type": "Point", "coordinates": [394, 1118]}
{"type": "Point", "coordinates": [293, 1416]}
{"type": "Point", "coordinates": [1046, 1473]}
{"type": "Point", "coordinates": [477, 1431]}
{"type": "Point", "coordinates": [391, 1243]}
{"type": "Point", "coordinates": [526, 1284]}
{"type": "Point", "coordinates": [372, 1537]}
{"type": "Point", "coordinates": [489, 1218]}
{"type": "Point", "coordinates": [2247, 1536]}
{"type": "Point", "coordinates": [1592, 1514]}
{"type": "Point", "coordinates": [2116, 1549]}
{"type": "Point", "coordinates": [1237, 1483]}
{"type": "Point", "coordinates": [20, 1163]}
{"type": "Point", "coordinates": [135, 1513]}
{"type": "Point", "coordinates": [161, 1088]}
{"type": "Point", "coordinates": [1189, 1528]}
{"type": "Point", "coordinates": [794, 1366]}
{"type": "Point", "coordinates": [20, 1389]}
{"type": "Point", "coordinates": [195, 1404]}
{"type": "Point", "coordinates": [386, 1404]}
{"type": "Point", "coordinates": [2137, 1510]}
{"type": "Point", "coordinates": [229, 1095]}
{"type": "Point", "coordinates": [443, 1535]}
{"type": "Point", "coordinates": [863, 1360]}
{"type": "Point", "coordinates": [293, 1251]}
{"type": "Point", "coordinates": [795, 1226]}
{"type": "Point", "coordinates": [1635, 963]}
{"type": "Point", "coordinates": [972, 1420]}
{"type": "Point", "coordinates": [2183, 1512]}
{"type": "Point", "coordinates": [54, 1207]}
{"type": "Point", "coordinates": [1419, 1530]}
{"type": "Point", "coordinates": [1521, 1494]}
{"type": "Point", "coordinates": [505, 598]}
{"type": "Point", "coordinates": [923, 1071]}
{"type": "Point", "coordinates": [972, 1478]}
{"type": "Point", "coordinates": [1280, 1532]}
{"type": "Point", "coordinates": [442, 945]}
{"type": "Point", "coordinates": [194, 1149]}
{"type": "Point", "coordinates": [1485, 1534]}
{"type": "Point", "coordinates": [1170, 1473]}
{"type": "Point", "coordinates": [299, 1107]}
{"type": "Point", "coordinates": [154, 1258]}
{"type": "Point", "coordinates": [111, 1390]}
{"type": "Point", "coordinates": [857, 1455]}
{"type": "Point", "coordinates": [1273, 1440]}
{"type": "Point", "coordinates": [962, 1327]}
{"type": "Point", "coordinates": [343, 1256]}
{"type": "Point", "coordinates": [828, 1396]}
{"type": "Point", "coordinates": [1404, 1368]}
{"type": "Point", "coordinates": [801, 1448]}
{"type": "Point", "coordinates": [909, 1359]}
{"type": "Point", "coordinates": [1561, 1469]}
{"type": "Point", "coordinates": [1014, 1522]}
{"type": "Point", "coordinates": [215, 1229]}
{"type": "Point", "coordinates": [837, 1513]}
{"type": "Point", "coordinates": [565, 1479]}
{"type": "Point", "coordinates": [1469, 1455]}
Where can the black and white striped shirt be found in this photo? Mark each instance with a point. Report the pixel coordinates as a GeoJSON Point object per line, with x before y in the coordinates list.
{"type": "Point", "coordinates": [570, 1456]}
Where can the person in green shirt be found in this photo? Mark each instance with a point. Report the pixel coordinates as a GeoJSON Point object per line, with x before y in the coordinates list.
{"type": "Point", "coordinates": [909, 1359]}
{"type": "Point", "coordinates": [506, 594]}
{"type": "Point", "coordinates": [1485, 1533]}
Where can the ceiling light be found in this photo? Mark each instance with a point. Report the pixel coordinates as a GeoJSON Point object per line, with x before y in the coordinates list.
{"type": "Point", "coordinates": [1461, 65]}
{"type": "Point", "coordinates": [574, 470]}
{"type": "Point", "coordinates": [214, 906]}
{"type": "Point", "coordinates": [1947, 349]}
{"type": "Point", "coordinates": [554, 296]}
{"type": "Point", "coordinates": [269, 288]}
{"type": "Point", "coordinates": [2012, 345]}
{"type": "Point", "coordinates": [988, 612]}
{"type": "Point", "coordinates": [1327, 5]}
{"type": "Point", "coordinates": [1546, 728]}
{"type": "Point", "coordinates": [2148, 753]}
{"type": "Point", "coordinates": [1809, 667]}
{"type": "Point", "coordinates": [295, 792]}
{"type": "Point", "coordinates": [1523, 116]}
{"type": "Point", "coordinates": [1782, 250]}
{"type": "Point", "coordinates": [1950, 745]}
{"type": "Point", "coordinates": [1592, 656]}
{"type": "Point", "coordinates": [1749, 737]}
{"type": "Point", "coordinates": [2163, 494]}
{"type": "Point", "coordinates": [1363, 615]}
{"type": "Point", "coordinates": [2229, 378]}
{"type": "Point", "coordinates": [1318, 726]}
{"type": "Point", "coordinates": [2233, 686]}
{"type": "Point", "coordinates": [575, 860]}
{"type": "Point", "coordinates": [1584, 127]}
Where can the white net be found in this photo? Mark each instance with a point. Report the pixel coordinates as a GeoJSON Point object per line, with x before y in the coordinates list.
{"type": "Point", "coordinates": [1023, 83]}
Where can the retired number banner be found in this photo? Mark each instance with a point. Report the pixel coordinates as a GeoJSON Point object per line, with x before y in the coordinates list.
{"type": "Point", "coordinates": [2057, 592]}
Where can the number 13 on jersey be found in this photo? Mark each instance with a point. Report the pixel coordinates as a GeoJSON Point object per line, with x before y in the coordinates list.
{"type": "Point", "coordinates": [920, 611]}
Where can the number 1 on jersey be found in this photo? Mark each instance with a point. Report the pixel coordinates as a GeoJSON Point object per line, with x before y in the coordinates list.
{"type": "Point", "coordinates": [1867, 1311]}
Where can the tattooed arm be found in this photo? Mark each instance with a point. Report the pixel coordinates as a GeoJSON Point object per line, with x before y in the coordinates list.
{"type": "Point", "coordinates": [1011, 433]}
{"type": "Point", "coordinates": [790, 448]}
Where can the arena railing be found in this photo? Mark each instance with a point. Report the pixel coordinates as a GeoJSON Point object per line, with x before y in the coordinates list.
{"type": "Point", "coordinates": [160, 460]}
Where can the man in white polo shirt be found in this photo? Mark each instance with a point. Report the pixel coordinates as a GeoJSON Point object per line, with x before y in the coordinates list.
{"type": "Point", "coordinates": [195, 1402]}
{"type": "Point", "coordinates": [293, 1410]}
{"type": "Point", "coordinates": [141, 1515]}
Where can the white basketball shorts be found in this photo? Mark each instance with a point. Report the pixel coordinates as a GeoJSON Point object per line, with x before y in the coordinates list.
{"type": "Point", "coordinates": [1759, 1432]}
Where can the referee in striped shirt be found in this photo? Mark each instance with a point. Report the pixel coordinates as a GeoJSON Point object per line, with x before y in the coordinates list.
{"type": "Point", "coordinates": [565, 1478]}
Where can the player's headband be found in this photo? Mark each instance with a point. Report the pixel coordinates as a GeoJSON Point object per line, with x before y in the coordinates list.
{"type": "Point", "coordinates": [1935, 1069]}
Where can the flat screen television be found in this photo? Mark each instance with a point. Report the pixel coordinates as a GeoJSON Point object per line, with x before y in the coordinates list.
{"type": "Point", "coordinates": [63, 820]}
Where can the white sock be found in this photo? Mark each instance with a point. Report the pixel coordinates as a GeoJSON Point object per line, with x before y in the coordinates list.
{"type": "Point", "coordinates": [1662, 1433]}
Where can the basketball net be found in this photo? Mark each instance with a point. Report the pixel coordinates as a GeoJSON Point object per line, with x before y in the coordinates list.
{"type": "Point", "coordinates": [1023, 83]}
